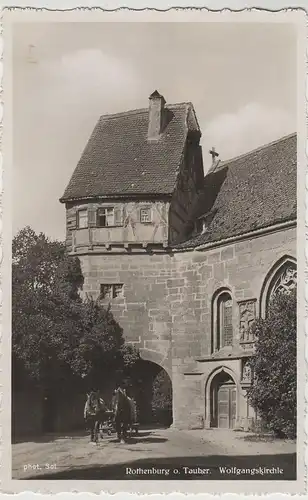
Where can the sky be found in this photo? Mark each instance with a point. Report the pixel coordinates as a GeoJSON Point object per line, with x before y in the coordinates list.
{"type": "Point", "coordinates": [240, 77]}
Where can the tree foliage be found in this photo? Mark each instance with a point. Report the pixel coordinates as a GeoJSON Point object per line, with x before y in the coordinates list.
{"type": "Point", "coordinates": [56, 337]}
{"type": "Point", "coordinates": [162, 397]}
{"type": "Point", "coordinates": [273, 391]}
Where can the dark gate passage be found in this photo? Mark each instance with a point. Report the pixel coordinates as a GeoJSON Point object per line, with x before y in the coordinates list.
{"type": "Point", "coordinates": [223, 401]}
{"type": "Point", "coordinates": [152, 390]}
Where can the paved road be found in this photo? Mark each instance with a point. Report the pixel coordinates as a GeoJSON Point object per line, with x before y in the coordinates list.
{"type": "Point", "coordinates": [153, 454]}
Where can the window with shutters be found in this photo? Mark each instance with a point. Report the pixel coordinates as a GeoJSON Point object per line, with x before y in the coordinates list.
{"type": "Point", "coordinates": [222, 320]}
{"type": "Point", "coordinates": [82, 219]}
{"type": "Point", "coordinates": [145, 215]}
{"type": "Point", "coordinates": [109, 216]}
{"type": "Point", "coordinates": [91, 217]}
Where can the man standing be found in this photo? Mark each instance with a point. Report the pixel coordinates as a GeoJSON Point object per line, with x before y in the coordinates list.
{"type": "Point", "coordinates": [93, 410]}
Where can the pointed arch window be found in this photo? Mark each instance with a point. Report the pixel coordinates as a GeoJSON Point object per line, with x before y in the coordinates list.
{"type": "Point", "coordinates": [286, 280]}
{"type": "Point", "coordinates": [223, 321]}
{"type": "Point", "coordinates": [282, 279]}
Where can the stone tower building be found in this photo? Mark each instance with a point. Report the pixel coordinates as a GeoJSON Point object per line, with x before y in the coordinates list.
{"type": "Point", "coordinates": [186, 261]}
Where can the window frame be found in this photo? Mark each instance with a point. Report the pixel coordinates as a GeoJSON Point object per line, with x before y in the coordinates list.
{"type": "Point", "coordinates": [218, 327]}
{"type": "Point", "coordinates": [144, 208]}
{"type": "Point", "coordinates": [117, 216]}
{"type": "Point", "coordinates": [113, 293]}
{"type": "Point", "coordinates": [222, 326]}
{"type": "Point", "coordinates": [102, 295]}
{"type": "Point", "coordinates": [98, 215]}
{"type": "Point", "coordinates": [78, 212]}
{"type": "Point", "coordinates": [270, 281]}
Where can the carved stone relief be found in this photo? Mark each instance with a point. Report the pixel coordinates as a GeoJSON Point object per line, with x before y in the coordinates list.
{"type": "Point", "coordinates": [286, 281]}
{"type": "Point", "coordinates": [247, 317]}
{"type": "Point", "coordinates": [246, 372]}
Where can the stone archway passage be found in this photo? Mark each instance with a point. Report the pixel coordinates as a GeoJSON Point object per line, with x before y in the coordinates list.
{"type": "Point", "coordinates": [223, 401]}
{"type": "Point", "coordinates": [151, 388]}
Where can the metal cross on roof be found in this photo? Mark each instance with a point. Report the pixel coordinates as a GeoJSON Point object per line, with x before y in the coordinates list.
{"type": "Point", "coordinates": [213, 153]}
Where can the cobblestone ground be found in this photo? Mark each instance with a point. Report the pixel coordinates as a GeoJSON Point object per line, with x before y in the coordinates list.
{"type": "Point", "coordinates": [156, 454]}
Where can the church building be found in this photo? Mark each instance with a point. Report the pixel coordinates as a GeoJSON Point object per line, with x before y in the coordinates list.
{"type": "Point", "coordinates": [186, 260]}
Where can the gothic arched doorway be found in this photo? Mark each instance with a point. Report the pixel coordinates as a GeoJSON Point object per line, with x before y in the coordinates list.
{"type": "Point", "coordinates": [223, 398]}
{"type": "Point", "coordinates": [151, 387]}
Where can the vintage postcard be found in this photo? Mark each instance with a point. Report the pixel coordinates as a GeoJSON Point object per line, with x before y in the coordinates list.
{"type": "Point", "coordinates": [154, 260]}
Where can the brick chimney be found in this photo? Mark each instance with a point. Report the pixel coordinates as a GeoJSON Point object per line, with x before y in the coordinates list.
{"type": "Point", "coordinates": [156, 115]}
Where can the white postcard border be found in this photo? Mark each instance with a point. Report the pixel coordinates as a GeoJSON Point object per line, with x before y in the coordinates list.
{"type": "Point", "coordinates": [127, 15]}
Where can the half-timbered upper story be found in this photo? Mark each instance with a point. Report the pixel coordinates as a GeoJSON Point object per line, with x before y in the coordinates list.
{"type": "Point", "coordinates": [137, 180]}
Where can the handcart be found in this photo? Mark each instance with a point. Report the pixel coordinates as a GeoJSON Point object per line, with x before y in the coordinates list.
{"type": "Point", "coordinates": [134, 428]}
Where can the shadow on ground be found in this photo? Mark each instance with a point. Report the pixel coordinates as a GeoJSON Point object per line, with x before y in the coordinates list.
{"type": "Point", "coordinates": [53, 436]}
{"type": "Point", "coordinates": [220, 468]}
{"type": "Point", "coordinates": [49, 437]}
{"type": "Point", "coordinates": [141, 438]}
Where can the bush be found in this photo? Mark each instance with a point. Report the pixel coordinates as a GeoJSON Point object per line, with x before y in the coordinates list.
{"type": "Point", "coordinates": [273, 391]}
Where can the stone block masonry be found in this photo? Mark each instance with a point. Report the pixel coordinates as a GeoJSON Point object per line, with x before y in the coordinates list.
{"type": "Point", "coordinates": [166, 305]}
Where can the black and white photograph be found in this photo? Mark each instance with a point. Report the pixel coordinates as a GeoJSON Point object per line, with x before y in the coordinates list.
{"type": "Point", "coordinates": [155, 251]}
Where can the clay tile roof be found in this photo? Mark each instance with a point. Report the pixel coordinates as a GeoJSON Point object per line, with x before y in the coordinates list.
{"type": "Point", "coordinates": [253, 191]}
{"type": "Point", "coordinates": [119, 160]}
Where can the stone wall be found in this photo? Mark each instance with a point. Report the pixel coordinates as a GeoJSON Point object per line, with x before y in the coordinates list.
{"type": "Point", "coordinates": [166, 308]}
{"type": "Point", "coordinates": [142, 311]}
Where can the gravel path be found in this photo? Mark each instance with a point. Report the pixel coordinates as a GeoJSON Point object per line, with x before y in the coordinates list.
{"type": "Point", "coordinates": [243, 443]}
{"type": "Point", "coordinates": [160, 451]}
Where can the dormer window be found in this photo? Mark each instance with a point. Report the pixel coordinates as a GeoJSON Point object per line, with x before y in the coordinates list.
{"type": "Point", "coordinates": [82, 219]}
{"type": "Point", "coordinates": [145, 215]}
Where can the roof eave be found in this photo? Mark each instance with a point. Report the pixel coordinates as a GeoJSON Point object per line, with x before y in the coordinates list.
{"type": "Point", "coordinates": [290, 222]}
{"type": "Point", "coordinates": [65, 199]}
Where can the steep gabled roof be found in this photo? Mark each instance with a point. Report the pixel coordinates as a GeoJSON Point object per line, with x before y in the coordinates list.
{"type": "Point", "coordinates": [119, 160]}
{"type": "Point", "coordinates": [253, 191]}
